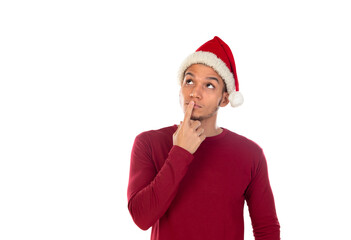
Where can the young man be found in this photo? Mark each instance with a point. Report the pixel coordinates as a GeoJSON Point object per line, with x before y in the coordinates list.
{"type": "Point", "coordinates": [191, 181]}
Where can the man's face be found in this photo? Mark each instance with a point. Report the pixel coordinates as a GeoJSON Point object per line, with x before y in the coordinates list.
{"type": "Point", "coordinates": [204, 86]}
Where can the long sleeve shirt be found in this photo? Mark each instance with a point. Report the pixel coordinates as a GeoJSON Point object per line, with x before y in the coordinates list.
{"type": "Point", "coordinates": [201, 195]}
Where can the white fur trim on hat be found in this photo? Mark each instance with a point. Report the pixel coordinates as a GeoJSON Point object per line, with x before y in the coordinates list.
{"type": "Point", "coordinates": [211, 60]}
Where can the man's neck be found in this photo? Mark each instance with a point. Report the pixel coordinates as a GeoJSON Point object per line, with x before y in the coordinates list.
{"type": "Point", "coordinates": [210, 127]}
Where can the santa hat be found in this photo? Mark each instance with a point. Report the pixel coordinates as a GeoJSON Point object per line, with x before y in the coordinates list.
{"type": "Point", "coordinates": [216, 54]}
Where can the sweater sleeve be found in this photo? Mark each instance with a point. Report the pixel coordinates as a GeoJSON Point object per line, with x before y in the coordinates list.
{"type": "Point", "coordinates": [261, 205]}
{"type": "Point", "coordinates": [150, 193]}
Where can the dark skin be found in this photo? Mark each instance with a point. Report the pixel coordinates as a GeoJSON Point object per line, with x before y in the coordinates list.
{"type": "Point", "coordinates": [201, 95]}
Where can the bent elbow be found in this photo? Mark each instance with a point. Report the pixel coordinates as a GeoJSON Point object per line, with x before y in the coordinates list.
{"type": "Point", "coordinates": [143, 226]}
{"type": "Point", "coordinates": [142, 223]}
{"type": "Point", "coordinates": [141, 220]}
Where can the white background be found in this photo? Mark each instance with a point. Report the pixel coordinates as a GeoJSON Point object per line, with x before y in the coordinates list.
{"type": "Point", "coordinates": [80, 79]}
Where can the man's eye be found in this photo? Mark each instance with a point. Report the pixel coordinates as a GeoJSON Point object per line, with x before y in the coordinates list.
{"type": "Point", "coordinates": [209, 85]}
{"type": "Point", "coordinates": [189, 81]}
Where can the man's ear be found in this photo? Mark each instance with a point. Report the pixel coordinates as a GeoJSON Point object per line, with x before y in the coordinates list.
{"type": "Point", "coordinates": [225, 99]}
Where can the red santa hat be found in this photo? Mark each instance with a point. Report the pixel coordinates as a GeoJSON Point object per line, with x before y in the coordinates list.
{"type": "Point", "coordinates": [216, 54]}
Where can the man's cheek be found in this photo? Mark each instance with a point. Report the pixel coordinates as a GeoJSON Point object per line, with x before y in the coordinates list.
{"type": "Point", "coordinates": [181, 98]}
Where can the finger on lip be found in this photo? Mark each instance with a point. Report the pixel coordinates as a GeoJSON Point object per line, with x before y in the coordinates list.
{"type": "Point", "coordinates": [195, 105]}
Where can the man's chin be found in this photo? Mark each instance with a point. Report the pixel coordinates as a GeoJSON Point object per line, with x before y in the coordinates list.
{"type": "Point", "coordinates": [197, 118]}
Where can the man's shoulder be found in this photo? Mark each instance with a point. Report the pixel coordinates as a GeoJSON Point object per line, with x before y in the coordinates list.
{"type": "Point", "coordinates": [164, 132]}
{"type": "Point", "coordinates": [242, 141]}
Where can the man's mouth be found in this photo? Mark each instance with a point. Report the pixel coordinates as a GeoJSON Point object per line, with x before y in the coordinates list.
{"type": "Point", "coordinates": [195, 105]}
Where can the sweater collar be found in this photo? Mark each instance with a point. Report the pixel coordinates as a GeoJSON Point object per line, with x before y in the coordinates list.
{"type": "Point", "coordinates": [213, 138]}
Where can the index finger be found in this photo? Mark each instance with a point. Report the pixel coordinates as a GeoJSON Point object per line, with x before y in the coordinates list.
{"type": "Point", "coordinates": [188, 111]}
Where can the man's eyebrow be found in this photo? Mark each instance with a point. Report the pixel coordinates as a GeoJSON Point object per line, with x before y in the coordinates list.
{"type": "Point", "coordinates": [210, 78]}
{"type": "Point", "coordinates": [213, 78]}
{"type": "Point", "coordinates": [189, 73]}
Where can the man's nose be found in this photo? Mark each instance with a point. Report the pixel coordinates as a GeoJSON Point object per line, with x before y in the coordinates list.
{"type": "Point", "coordinates": [197, 92]}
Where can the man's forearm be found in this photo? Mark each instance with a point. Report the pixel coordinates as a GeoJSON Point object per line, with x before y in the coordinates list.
{"type": "Point", "coordinates": [151, 202]}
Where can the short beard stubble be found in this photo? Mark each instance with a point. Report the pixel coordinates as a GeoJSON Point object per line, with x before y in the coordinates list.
{"type": "Point", "coordinates": [201, 118]}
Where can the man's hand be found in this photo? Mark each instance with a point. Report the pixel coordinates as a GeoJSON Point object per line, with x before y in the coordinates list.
{"type": "Point", "coordinates": [189, 134]}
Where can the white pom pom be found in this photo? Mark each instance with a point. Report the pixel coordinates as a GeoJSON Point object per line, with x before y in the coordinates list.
{"type": "Point", "coordinates": [236, 99]}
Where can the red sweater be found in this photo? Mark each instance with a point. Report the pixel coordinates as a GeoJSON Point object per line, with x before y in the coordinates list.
{"type": "Point", "coordinates": [200, 196]}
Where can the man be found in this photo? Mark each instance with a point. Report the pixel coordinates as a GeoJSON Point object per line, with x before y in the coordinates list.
{"type": "Point", "coordinates": [191, 181]}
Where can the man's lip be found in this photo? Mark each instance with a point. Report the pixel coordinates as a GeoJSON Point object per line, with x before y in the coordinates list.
{"type": "Point", "coordinates": [195, 105]}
